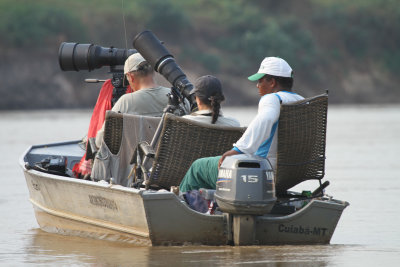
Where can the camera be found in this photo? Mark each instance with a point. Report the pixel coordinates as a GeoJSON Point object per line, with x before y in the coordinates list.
{"type": "Point", "coordinates": [147, 44]}
{"type": "Point", "coordinates": [75, 56]}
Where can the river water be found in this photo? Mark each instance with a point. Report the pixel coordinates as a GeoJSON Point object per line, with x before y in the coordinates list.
{"type": "Point", "coordinates": [362, 166]}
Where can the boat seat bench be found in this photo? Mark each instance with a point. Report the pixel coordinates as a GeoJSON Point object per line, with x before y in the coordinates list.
{"type": "Point", "coordinates": [181, 142]}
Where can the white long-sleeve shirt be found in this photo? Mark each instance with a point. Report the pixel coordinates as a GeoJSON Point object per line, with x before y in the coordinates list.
{"type": "Point", "coordinates": [260, 138]}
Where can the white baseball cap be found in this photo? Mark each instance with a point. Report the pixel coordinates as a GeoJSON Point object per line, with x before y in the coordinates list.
{"type": "Point", "coordinates": [273, 66]}
{"type": "Point", "coordinates": [132, 62]}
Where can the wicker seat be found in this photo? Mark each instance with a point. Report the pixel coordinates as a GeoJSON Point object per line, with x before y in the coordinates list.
{"type": "Point", "coordinates": [181, 142]}
{"type": "Point", "coordinates": [122, 133]}
{"type": "Point", "coordinates": [112, 135]}
{"type": "Point", "coordinates": [301, 142]}
{"type": "Point", "coordinates": [113, 131]}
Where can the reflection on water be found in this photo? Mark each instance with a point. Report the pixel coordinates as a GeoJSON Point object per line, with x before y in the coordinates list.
{"type": "Point", "coordinates": [362, 166]}
{"type": "Point", "coordinates": [104, 253]}
{"type": "Point", "coordinates": [45, 248]}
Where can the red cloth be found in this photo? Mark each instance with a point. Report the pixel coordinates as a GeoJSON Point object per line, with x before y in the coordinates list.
{"type": "Point", "coordinates": [96, 122]}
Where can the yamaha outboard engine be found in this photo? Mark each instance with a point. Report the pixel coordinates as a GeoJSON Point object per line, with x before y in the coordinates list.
{"type": "Point", "coordinates": [245, 185]}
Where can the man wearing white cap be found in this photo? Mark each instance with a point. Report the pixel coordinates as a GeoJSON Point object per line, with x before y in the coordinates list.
{"type": "Point", "coordinates": [274, 82]}
{"type": "Point", "coordinates": [148, 98]}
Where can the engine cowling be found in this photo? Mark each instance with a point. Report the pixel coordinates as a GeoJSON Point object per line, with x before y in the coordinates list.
{"type": "Point", "coordinates": [245, 185]}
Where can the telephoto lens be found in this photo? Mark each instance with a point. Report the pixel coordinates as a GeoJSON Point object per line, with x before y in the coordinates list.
{"type": "Point", "coordinates": [76, 57]}
{"type": "Point", "coordinates": [147, 44]}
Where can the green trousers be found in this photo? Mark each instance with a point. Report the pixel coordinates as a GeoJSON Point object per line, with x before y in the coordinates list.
{"type": "Point", "coordinates": [202, 174]}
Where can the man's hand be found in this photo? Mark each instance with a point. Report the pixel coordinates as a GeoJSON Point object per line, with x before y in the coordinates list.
{"type": "Point", "coordinates": [227, 154]}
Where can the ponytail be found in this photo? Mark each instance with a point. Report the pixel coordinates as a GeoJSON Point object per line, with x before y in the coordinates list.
{"type": "Point", "coordinates": [215, 107]}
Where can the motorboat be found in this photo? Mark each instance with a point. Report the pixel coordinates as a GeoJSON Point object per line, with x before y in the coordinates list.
{"type": "Point", "coordinates": [254, 203]}
{"type": "Point", "coordinates": [155, 216]}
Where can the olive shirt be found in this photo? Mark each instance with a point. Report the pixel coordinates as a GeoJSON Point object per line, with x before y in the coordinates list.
{"type": "Point", "coordinates": [147, 102]}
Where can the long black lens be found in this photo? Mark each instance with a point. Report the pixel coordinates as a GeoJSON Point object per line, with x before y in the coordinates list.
{"type": "Point", "coordinates": [75, 56]}
{"type": "Point", "coordinates": [151, 48]}
{"type": "Point", "coordinates": [147, 44]}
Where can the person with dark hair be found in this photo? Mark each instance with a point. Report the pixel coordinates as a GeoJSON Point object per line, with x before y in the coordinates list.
{"type": "Point", "coordinates": [147, 98]}
{"type": "Point", "coordinates": [274, 82]}
{"type": "Point", "coordinates": [208, 94]}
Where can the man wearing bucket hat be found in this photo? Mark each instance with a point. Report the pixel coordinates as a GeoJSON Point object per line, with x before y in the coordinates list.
{"type": "Point", "coordinates": [147, 98]}
{"type": "Point", "coordinates": [274, 82]}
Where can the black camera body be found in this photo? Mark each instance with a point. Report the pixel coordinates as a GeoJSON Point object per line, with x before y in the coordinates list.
{"type": "Point", "coordinates": [120, 83]}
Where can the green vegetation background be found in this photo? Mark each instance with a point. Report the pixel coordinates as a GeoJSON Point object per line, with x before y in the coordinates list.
{"type": "Point", "coordinates": [348, 47]}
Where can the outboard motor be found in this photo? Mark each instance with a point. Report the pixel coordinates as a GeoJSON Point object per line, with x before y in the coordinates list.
{"type": "Point", "coordinates": [245, 185]}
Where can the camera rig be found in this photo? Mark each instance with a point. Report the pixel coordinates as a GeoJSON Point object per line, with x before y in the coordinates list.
{"type": "Point", "coordinates": [76, 57]}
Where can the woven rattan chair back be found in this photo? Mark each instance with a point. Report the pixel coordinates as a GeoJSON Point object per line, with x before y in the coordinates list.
{"type": "Point", "coordinates": [113, 131]}
{"type": "Point", "coordinates": [301, 142]}
{"type": "Point", "coordinates": [182, 141]}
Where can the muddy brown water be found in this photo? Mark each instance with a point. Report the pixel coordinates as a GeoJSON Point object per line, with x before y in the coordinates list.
{"type": "Point", "coordinates": [363, 167]}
